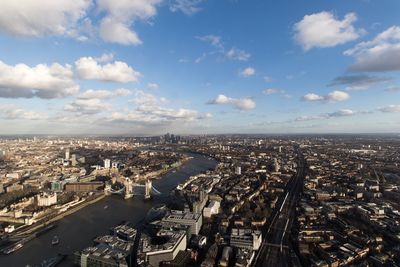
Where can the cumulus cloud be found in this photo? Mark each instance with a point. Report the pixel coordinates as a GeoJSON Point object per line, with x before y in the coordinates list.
{"type": "Point", "coordinates": [114, 19]}
{"type": "Point", "coordinates": [88, 68]}
{"type": "Point", "coordinates": [335, 96]}
{"type": "Point", "coordinates": [158, 116]}
{"type": "Point", "coordinates": [325, 30]}
{"type": "Point", "coordinates": [104, 94]}
{"type": "Point", "coordinates": [144, 99]}
{"type": "Point", "coordinates": [380, 54]}
{"type": "Point", "coordinates": [115, 27]}
{"type": "Point", "coordinates": [188, 7]}
{"type": "Point", "coordinates": [41, 17]}
{"type": "Point", "coordinates": [239, 103]}
{"type": "Point", "coordinates": [11, 112]}
{"type": "Point", "coordinates": [87, 106]}
{"type": "Point", "coordinates": [359, 82]}
{"type": "Point", "coordinates": [312, 97]}
{"type": "Point", "coordinates": [247, 72]}
{"type": "Point", "coordinates": [42, 81]}
{"type": "Point", "coordinates": [105, 58]}
{"type": "Point", "coordinates": [390, 109]}
{"type": "Point", "coordinates": [113, 31]}
{"type": "Point", "coordinates": [149, 110]}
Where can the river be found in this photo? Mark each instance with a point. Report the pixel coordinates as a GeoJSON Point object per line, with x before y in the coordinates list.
{"type": "Point", "coordinates": [77, 231]}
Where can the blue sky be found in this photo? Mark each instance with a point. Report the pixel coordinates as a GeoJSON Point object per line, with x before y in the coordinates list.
{"type": "Point", "coordinates": [144, 67]}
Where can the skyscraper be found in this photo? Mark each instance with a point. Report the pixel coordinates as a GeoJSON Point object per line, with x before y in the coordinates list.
{"type": "Point", "coordinates": [107, 163]}
{"type": "Point", "coordinates": [67, 154]}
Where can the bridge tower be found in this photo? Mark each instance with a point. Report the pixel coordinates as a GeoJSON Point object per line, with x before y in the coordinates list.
{"type": "Point", "coordinates": [128, 188]}
{"type": "Point", "coordinates": [147, 189]}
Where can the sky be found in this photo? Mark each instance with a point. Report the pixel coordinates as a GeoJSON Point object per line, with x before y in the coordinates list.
{"type": "Point", "coordinates": [147, 67]}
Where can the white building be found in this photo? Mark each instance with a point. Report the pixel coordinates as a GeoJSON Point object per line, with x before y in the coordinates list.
{"type": "Point", "coordinates": [2, 153]}
{"type": "Point", "coordinates": [107, 164]}
{"type": "Point", "coordinates": [67, 154]}
{"type": "Point", "coordinates": [211, 209]}
{"type": "Point", "coordinates": [238, 170]}
{"type": "Point", "coordinates": [194, 220]}
{"type": "Point", "coordinates": [45, 199]}
{"type": "Point", "coordinates": [246, 238]}
{"type": "Point", "coordinates": [155, 254]}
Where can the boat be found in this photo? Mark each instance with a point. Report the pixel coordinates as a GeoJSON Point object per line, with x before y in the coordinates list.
{"type": "Point", "coordinates": [13, 248]}
{"type": "Point", "coordinates": [55, 240]}
{"type": "Point", "coordinates": [106, 207]}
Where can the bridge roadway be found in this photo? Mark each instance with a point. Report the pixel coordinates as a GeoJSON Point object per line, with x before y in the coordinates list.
{"type": "Point", "coordinates": [276, 248]}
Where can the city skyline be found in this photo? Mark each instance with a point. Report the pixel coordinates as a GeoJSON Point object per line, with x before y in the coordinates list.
{"type": "Point", "coordinates": [147, 67]}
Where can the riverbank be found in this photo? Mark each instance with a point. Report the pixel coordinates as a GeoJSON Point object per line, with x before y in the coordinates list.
{"type": "Point", "coordinates": [157, 174]}
{"type": "Point", "coordinates": [36, 227]}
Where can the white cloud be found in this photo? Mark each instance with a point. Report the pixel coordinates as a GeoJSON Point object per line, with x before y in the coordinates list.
{"type": "Point", "coordinates": [239, 103]}
{"type": "Point", "coordinates": [116, 27]}
{"type": "Point", "coordinates": [237, 54]}
{"type": "Point", "coordinates": [390, 109]}
{"type": "Point", "coordinates": [114, 18]}
{"type": "Point", "coordinates": [380, 54]}
{"type": "Point", "coordinates": [88, 68]}
{"type": "Point", "coordinates": [152, 86]}
{"type": "Point", "coordinates": [272, 91]}
{"type": "Point", "coordinates": [231, 54]}
{"type": "Point", "coordinates": [325, 116]}
{"type": "Point", "coordinates": [105, 58]}
{"type": "Point", "coordinates": [42, 81]}
{"type": "Point", "coordinates": [116, 32]}
{"type": "Point", "coordinates": [87, 106]}
{"type": "Point", "coordinates": [275, 91]}
{"type": "Point", "coordinates": [342, 113]}
{"type": "Point", "coordinates": [104, 94]}
{"type": "Point", "coordinates": [335, 96]}
{"type": "Point", "coordinates": [188, 7]}
{"type": "Point", "coordinates": [312, 97]}
{"type": "Point", "coordinates": [41, 17]}
{"type": "Point", "coordinates": [122, 92]}
{"type": "Point", "coordinates": [159, 116]}
{"type": "Point", "coordinates": [150, 111]}
{"type": "Point", "coordinates": [247, 72]}
{"type": "Point", "coordinates": [11, 112]}
{"type": "Point", "coordinates": [325, 30]}
{"type": "Point", "coordinates": [148, 100]}
{"type": "Point", "coordinates": [213, 40]}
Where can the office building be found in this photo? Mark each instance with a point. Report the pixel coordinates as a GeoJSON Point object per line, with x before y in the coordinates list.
{"type": "Point", "coordinates": [246, 238]}
{"type": "Point", "coordinates": [194, 220]}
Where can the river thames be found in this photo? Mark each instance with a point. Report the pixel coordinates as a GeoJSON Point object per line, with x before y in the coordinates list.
{"type": "Point", "coordinates": [77, 231]}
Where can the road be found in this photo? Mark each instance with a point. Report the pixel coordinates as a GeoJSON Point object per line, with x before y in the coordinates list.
{"type": "Point", "coordinates": [275, 250]}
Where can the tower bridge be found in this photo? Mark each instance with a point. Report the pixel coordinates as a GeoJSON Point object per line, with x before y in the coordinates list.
{"type": "Point", "coordinates": [130, 189]}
